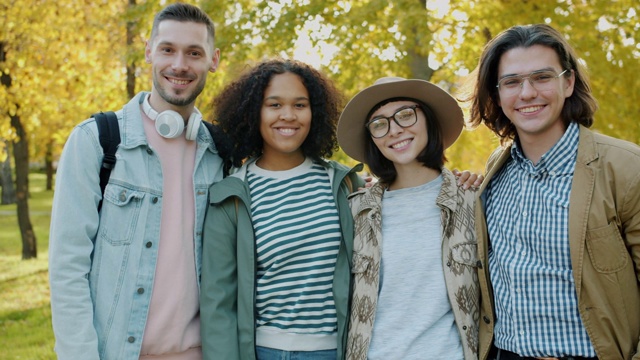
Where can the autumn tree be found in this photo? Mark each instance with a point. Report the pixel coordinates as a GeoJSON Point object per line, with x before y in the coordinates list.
{"type": "Point", "coordinates": [60, 62]}
{"type": "Point", "coordinates": [358, 41]}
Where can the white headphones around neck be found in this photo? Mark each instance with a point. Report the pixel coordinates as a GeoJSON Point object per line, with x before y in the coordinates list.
{"type": "Point", "coordinates": [170, 124]}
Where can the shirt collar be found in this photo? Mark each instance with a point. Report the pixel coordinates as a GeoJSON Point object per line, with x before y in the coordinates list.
{"type": "Point", "coordinates": [560, 159]}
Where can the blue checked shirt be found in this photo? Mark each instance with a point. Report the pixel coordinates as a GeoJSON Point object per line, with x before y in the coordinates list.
{"type": "Point", "coordinates": [527, 211]}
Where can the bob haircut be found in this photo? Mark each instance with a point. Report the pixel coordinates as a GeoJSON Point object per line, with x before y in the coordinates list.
{"type": "Point", "coordinates": [579, 107]}
{"type": "Point", "coordinates": [237, 110]}
{"type": "Point", "coordinates": [432, 156]}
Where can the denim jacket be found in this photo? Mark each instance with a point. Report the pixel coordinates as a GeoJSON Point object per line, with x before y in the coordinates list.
{"type": "Point", "coordinates": [102, 265]}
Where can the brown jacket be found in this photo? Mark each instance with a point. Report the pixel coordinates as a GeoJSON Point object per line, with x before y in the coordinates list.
{"type": "Point", "coordinates": [604, 238]}
{"type": "Point", "coordinates": [459, 259]}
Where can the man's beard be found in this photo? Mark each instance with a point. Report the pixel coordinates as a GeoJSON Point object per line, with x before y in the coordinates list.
{"type": "Point", "coordinates": [179, 101]}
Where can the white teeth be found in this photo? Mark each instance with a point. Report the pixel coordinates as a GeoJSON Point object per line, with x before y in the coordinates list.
{"type": "Point", "coordinates": [401, 144]}
{"type": "Point", "coordinates": [286, 130]}
{"type": "Point", "coordinates": [179, 82]}
{"type": "Point", "coordinates": [530, 109]}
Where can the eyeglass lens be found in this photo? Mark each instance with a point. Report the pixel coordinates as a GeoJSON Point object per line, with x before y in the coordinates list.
{"type": "Point", "coordinates": [540, 80]}
{"type": "Point", "coordinates": [380, 126]}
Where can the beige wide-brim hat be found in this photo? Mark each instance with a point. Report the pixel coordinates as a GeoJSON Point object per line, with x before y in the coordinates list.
{"type": "Point", "coordinates": [352, 133]}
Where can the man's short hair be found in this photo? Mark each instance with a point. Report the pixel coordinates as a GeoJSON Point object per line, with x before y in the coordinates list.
{"type": "Point", "coordinates": [184, 13]}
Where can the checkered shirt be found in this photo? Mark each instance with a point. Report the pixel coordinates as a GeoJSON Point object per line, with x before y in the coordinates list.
{"type": "Point", "coordinates": [527, 209]}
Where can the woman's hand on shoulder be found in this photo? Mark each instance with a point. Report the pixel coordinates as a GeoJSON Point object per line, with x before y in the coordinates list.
{"type": "Point", "coordinates": [467, 179]}
{"type": "Point", "coordinates": [368, 181]}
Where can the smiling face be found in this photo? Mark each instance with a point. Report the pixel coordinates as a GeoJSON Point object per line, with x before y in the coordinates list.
{"type": "Point", "coordinates": [400, 145]}
{"type": "Point", "coordinates": [181, 55]}
{"type": "Point", "coordinates": [285, 121]}
{"type": "Point", "coordinates": [535, 114]}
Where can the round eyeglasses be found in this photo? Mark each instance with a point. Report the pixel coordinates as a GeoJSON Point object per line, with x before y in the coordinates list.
{"type": "Point", "coordinates": [541, 80]}
{"type": "Point", "coordinates": [379, 126]}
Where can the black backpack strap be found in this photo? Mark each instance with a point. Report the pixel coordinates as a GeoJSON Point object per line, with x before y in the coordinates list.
{"type": "Point", "coordinates": [109, 136]}
{"type": "Point", "coordinates": [209, 127]}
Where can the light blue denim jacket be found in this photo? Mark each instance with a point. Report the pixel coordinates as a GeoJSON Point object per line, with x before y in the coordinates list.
{"type": "Point", "coordinates": [102, 265]}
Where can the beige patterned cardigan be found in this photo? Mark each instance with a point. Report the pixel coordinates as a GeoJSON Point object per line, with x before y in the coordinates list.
{"type": "Point", "coordinates": [459, 261]}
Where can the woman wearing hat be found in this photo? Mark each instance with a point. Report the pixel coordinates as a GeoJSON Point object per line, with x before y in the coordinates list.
{"type": "Point", "coordinates": [415, 293]}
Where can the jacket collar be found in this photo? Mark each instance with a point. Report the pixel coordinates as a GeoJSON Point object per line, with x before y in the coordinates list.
{"type": "Point", "coordinates": [587, 150]}
{"type": "Point", "coordinates": [235, 183]}
{"type": "Point", "coordinates": [446, 196]}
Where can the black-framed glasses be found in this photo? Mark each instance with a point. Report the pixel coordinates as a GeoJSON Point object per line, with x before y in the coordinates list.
{"type": "Point", "coordinates": [541, 80]}
{"type": "Point", "coordinates": [379, 126]}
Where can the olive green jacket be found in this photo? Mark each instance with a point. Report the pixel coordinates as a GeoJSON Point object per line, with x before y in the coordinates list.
{"type": "Point", "coordinates": [604, 240]}
{"type": "Point", "coordinates": [228, 284]}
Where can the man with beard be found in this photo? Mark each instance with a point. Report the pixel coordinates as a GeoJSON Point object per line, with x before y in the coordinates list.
{"type": "Point", "coordinates": [124, 277]}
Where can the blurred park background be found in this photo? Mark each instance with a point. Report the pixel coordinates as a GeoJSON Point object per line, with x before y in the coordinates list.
{"type": "Point", "coordinates": [62, 60]}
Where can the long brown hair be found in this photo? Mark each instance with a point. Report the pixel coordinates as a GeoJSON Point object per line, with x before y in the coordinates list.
{"type": "Point", "coordinates": [579, 107]}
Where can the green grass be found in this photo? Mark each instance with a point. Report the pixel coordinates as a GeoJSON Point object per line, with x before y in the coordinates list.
{"type": "Point", "coordinates": [25, 316]}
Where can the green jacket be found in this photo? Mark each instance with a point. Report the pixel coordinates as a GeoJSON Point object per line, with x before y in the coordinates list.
{"type": "Point", "coordinates": [228, 284]}
{"type": "Point", "coordinates": [604, 238]}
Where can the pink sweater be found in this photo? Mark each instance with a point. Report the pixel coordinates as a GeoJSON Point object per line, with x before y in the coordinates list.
{"type": "Point", "coordinates": [173, 324]}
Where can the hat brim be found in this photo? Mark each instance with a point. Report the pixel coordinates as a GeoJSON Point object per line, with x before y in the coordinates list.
{"type": "Point", "coordinates": [351, 126]}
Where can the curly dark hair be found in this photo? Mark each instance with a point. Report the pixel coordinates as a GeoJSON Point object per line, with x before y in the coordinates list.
{"type": "Point", "coordinates": [579, 107]}
{"type": "Point", "coordinates": [432, 156]}
{"type": "Point", "coordinates": [237, 111]}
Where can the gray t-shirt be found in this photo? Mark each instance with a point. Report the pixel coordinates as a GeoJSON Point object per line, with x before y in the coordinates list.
{"type": "Point", "coordinates": [414, 319]}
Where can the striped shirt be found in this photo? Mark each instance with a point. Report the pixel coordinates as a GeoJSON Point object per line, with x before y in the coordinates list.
{"type": "Point", "coordinates": [297, 232]}
{"type": "Point", "coordinates": [527, 209]}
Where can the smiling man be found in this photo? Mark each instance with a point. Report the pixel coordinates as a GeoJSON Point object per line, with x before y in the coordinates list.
{"type": "Point", "coordinates": [559, 221]}
{"type": "Point", "coordinates": [124, 278]}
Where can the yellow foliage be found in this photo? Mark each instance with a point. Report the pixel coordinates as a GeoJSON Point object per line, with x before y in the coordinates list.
{"type": "Point", "coordinates": [67, 59]}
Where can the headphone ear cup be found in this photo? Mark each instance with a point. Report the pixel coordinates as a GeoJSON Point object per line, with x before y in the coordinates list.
{"type": "Point", "coordinates": [193, 125]}
{"type": "Point", "coordinates": [169, 124]}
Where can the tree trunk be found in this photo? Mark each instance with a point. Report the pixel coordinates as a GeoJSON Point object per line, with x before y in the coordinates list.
{"type": "Point", "coordinates": [21, 159]}
{"type": "Point", "coordinates": [8, 190]}
{"type": "Point", "coordinates": [21, 156]}
{"type": "Point", "coordinates": [48, 165]}
{"type": "Point", "coordinates": [131, 64]}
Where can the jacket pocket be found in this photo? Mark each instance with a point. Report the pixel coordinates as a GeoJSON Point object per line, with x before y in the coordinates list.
{"type": "Point", "coordinates": [119, 214]}
{"type": "Point", "coordinates": [466, 254]}
{"type": "Point", "coordinates": [606, 249]}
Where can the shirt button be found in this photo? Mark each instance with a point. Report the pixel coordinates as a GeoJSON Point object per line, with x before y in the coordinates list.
{"type": "Point", "coordinates": [140, 291]}
{"type": "Point", "coordinates": [154, 200]}
{"type": "Point", "coordinates": [524, 253]}
{"type": "Point", "coordinates": [521, 332]}
{"type": "Point", "coordinates": [149, 151]}
{"type": "Point", "coordinates": [148, 244]}
{"type": "Point", "coordinates": [524, 214]}
{"type": "Point", "coordinates": [123, 196]}
{"type": "Point", "coordinates": [552, 173]}
{"type": "Point", "coordinates": [131, 339]}
{"type": "Point", "coordinates": [486, 320]}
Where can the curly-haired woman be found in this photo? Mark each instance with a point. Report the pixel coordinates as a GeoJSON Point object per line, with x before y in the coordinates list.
{"type": "Point", "coordinates": [278, 232]}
